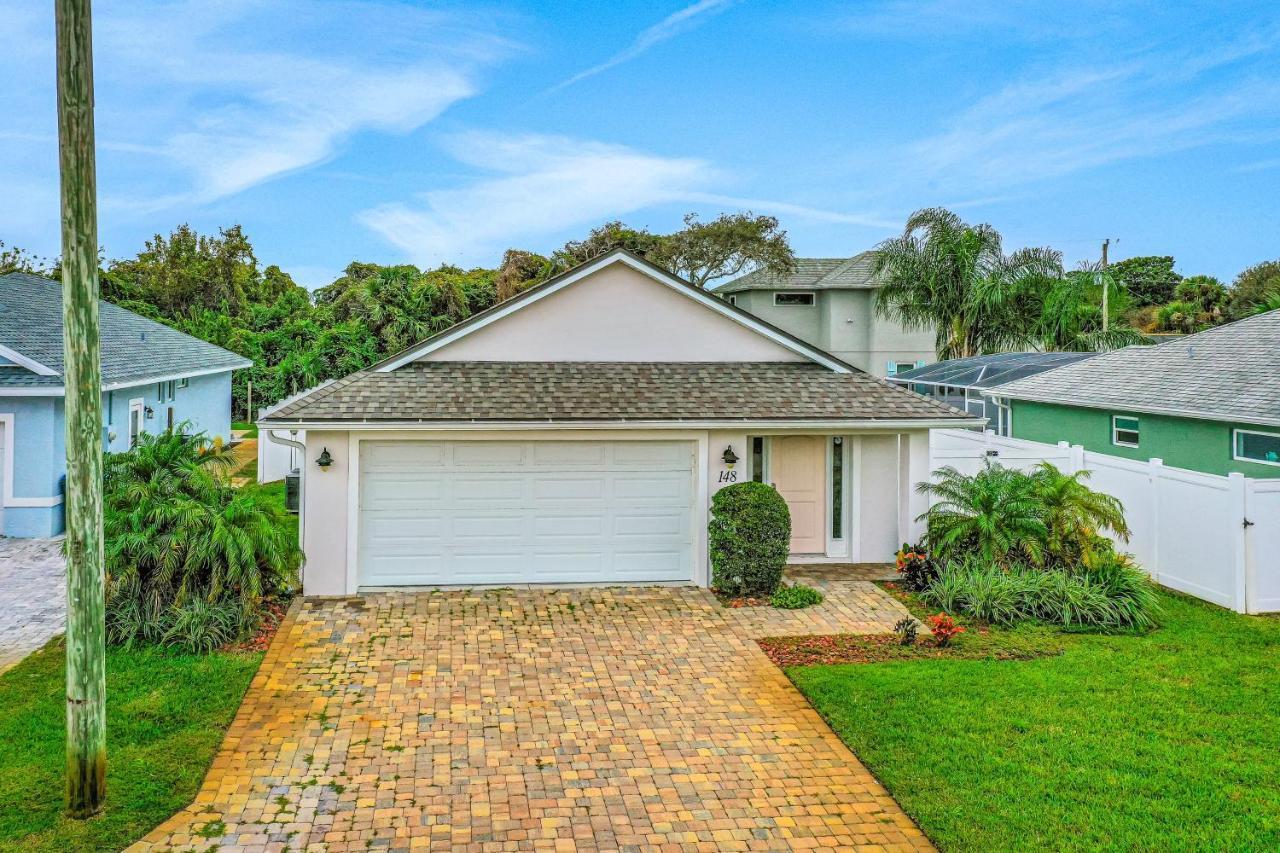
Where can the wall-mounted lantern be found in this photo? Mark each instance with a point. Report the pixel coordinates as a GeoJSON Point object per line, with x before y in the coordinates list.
{"type": "Point", "coordinates": [148, 412]}
{"type": "Point", "coordinates": [729, 456]}
{"type": "Point", "coordinates": [325, 460]}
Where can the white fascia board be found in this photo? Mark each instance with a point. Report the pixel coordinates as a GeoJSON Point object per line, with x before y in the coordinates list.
{"type": "Point", "coordinates": [702, 296]}
{"type": "Point", "coordinates": [57, 390]}
{"type": "Point", "coordinates": [753, 426]}
{"type": "Point", "coordinates": [1142, 408]}
{"type": "Point", "coordinates": [27, 362]}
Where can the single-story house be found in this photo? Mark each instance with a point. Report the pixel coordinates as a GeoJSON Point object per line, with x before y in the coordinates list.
{"type": "Point", "coordinates": [152, 376]}
{"type": "Point", "coordinates": [576, 433]}
{"type": "Point", "coordinates": [831, 304]}
{"type": "Point", "coordinates": [1207, 402]}
{"type": "Point", "coordinates": [964, 382]}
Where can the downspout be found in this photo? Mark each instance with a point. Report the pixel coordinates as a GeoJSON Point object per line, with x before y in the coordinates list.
{"type": "Point", "coordinates": [302, 487]}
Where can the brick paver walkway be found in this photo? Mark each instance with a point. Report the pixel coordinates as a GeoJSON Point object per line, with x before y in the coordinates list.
{"type": "Point", "coordinates": [33, 596]}
{"type": "Point", "coordinates": [538, 719]}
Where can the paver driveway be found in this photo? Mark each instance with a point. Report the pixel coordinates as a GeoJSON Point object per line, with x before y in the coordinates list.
{"type": "Point", "coordinates": [558, 719]}
{"type": "Point", "coordinates": [33, 596]}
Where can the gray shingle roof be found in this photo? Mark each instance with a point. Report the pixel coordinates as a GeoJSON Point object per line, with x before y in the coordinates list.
{"type": "Point", "coordinates": [1229, 373]}
{"type": "Point", "coordinates": [811, 274]}
{"type": "Point", "coordinates": [608, 391]}
{"type": "Point", "coordinates": [133, 347]}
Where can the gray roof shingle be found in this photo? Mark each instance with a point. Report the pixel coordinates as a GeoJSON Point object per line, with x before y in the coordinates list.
{"type": "Point", "coordinates": [133, 347]}
{"type": "Point", "coordinates": [1230, 373]}
{"type": "Point", "coordinates": [811, 274]}
{"type": "Point", "coordinates": [452, 391]}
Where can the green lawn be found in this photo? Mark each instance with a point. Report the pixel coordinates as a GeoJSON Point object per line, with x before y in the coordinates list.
{"type": "Point", "coordinates": [1167, 741]}
{"type": "Point", "coordinates": [250, 430]}
{"type": "Point", "coordinates": [166, 715]}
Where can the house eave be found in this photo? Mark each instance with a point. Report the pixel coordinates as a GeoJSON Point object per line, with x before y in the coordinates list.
{"type": "Point", "coordinates": [750, 424]}
{"type": "Point", "coordinates": [1141, 408]}
{"type": "Point", "coordinates": [59, 390]}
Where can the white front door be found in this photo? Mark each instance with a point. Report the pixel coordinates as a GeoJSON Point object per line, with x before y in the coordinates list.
{"type": "Point", "coordinates": [135, 421]}
{"type": "Point", "coordinates": [495, 512]}
{"type": "Point", "coordinates": [797, 465]}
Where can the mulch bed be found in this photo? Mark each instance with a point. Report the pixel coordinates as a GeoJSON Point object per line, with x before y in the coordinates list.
{"type": "Point", "coordinates": [741, 600]}
{"type": "Point", "coordinates": [847, 648]}
{"type": "Point", "coordinates": [272, 615]}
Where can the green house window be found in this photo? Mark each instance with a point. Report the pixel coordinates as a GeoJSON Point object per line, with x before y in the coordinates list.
{"type": "Point", "coordinates": [1124, 431]}
{"type": "Point", "coordinates": [1254, 446]}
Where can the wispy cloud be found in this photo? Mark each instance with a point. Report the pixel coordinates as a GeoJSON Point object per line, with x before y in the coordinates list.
{"type": "Point", "coordinates": [200, 101]}
{"type": "Point", "coordinates": [1033, 20]}
{"type": "Point", "coordinates": [1083, 117]}
{"type": "Point", "coordinates": [536, 186]}
{"type": "Point", "coordinates": [532, 188]}
{"type": "Point", "coordinates": [668, 28]}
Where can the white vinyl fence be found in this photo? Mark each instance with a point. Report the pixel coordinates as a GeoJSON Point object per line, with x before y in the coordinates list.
{"type": "Point", "coordinates": [1214, 537]}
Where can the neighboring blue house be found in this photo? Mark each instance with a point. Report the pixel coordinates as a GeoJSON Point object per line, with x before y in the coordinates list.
{"type": "Point", "coordinates": [152, 376]}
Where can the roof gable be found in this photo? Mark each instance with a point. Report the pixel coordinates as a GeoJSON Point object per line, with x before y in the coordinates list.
{"type": "Point", "coordinates": [1229, 373]}
{"type": "Point", "coordinates": [615, 308]}
{"type": "Point", "coordinates": [855, 273]}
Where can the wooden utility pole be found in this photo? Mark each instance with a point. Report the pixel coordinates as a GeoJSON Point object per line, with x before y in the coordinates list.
{"type": "Point", "coordinates": [1105, 318]}
{"type": "Point", "coordinates": [82, 378]}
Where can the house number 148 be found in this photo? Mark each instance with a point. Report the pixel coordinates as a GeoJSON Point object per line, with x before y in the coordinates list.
{"type": "Point", "coordinates": [728, 476]}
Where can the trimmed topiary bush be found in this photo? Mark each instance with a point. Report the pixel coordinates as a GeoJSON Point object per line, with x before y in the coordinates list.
{"type": "Point", "coordinates": [749, 537]}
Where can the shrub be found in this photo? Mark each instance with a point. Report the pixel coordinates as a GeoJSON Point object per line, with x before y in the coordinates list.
{"type": "Point", "coordinates": [749, 537]}
{"type": "Point", "coordinates": [1113, 594]}
{"type": "Point", "coordinates": [1003, 516]}
{"type": "Point", "coordinates": [795, 597]}
{"type": "Point", "coordinates": [916, 567]}
{"type": "Point", "coordinates": [906, 629]}
{"type": "Point", "coordinates": [188, 557]}
{"type": "Point", "coordinates": [944, 628]}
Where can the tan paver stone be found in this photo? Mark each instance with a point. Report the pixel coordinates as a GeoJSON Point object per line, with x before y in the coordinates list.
{"type": "Point", "coordinates": [556, 719]}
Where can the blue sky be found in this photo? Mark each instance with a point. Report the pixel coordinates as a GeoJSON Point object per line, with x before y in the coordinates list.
{"type": "Point", "coordinates": [398, 131]}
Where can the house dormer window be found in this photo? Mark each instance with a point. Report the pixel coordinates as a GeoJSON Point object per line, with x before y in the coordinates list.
{"type": "Point", "coordinates": [793, 299]}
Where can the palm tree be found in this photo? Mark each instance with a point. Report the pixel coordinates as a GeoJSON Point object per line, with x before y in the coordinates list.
{"type": "Point", "coordinates": [995, 514]}
{"type": "Point", "coordinates": [945, 274]}
{"type": "Point", "coordinates": [1071, 314]}
{"type": "Point", "coordinates": [1075, 514]}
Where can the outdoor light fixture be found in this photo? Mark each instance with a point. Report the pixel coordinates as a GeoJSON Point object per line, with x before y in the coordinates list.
{"type": "Point", "coordinates": [729, 456]}
{"type": "Point", "coordinates": [325, 460]}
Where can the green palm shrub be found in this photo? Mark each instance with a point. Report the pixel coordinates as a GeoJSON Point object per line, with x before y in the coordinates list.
{"type": "Point", "coordinates": [1074, 515]}
{"type": "Point", "coordinates": [749, 538]}
{"type": "Point", "coordinates": [189, 558]}
{"type": "Point", "coordinates": [994, 514]}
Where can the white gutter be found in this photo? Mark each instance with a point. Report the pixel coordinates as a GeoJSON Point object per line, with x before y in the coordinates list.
{"type": "Point", "coordinates": [302, 485]}
{"type": "Point", "coordinates": [59, 390]}
{"type": "Point", "coordinates": [750, 425]}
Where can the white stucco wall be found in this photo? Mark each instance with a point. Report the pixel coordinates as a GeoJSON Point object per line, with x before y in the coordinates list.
{"type": "Point", "coordinates": [324, 519]}
{"type": "Point", "coordinates": [880, 472]}
{"type": "Point", "coordinates": [614, 314]}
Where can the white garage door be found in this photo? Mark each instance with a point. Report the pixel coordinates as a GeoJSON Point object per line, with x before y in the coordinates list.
{"type": "Point", "coordinates": [492, 512]}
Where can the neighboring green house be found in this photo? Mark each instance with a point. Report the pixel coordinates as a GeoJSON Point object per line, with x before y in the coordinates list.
{"type": "Point", "coordinates": [1208, 402]}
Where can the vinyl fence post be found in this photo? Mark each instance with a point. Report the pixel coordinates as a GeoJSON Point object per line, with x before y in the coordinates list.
{"type": "Point", "coordinates": [1077, 458]}
{"type": "Point", "coordinates": [1239, 510]}
{"type": "Point", "coordinates": [1155, 471]}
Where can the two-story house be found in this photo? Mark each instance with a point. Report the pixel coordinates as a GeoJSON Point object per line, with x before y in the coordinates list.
{"type": "Point", "coordinates": [831, 304]}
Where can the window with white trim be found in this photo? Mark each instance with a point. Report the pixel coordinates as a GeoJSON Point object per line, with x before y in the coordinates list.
{"type": "Point", "coordinates": [793, 299]}
{"type": "Point", "coordinates": [1256, 446]}
{"type": "Point", "coordinates": [184, 382]}
{"type": "Point", "coordinates": [733, 299]}
{"type": "Point", "coordinates": [1124, 431]}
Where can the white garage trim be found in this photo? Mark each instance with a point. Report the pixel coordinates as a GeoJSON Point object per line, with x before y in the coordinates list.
{"type": "Point", "coordinates": [7, 423]}
{"type": "Point", "coordinates": [698, 510]}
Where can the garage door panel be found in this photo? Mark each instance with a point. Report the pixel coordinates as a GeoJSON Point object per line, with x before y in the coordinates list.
{"type": "Point", "coordinates": [640, 488]}
{"type": "Point", "coordinates": [493, 489]}
{"type": "Point", "coordinates": [399, 455]}
{"type": "Point", "coordinates": [557, 526]}
{"type": "Point", "coordinates": [656, 524]}
{"type": "Point", "coordinates": [482, 528]}
{"type": "Point", "coordinates": [563, 488]}
{"type": "Point", "coordinates": [488, 454]}
{"type": "Point", "coordinates": [483, 512]}
{"type": "Point", "coordinates": [569, 454]}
